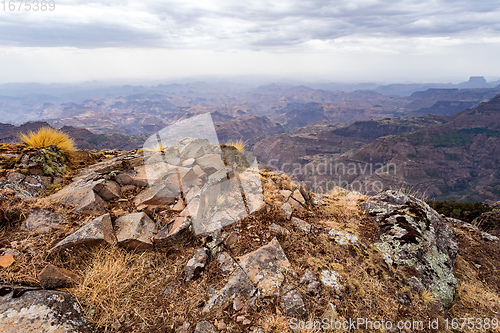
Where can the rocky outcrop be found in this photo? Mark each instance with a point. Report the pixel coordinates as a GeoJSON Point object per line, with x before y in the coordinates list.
{"type": "Point", "coordinates": [25, 310]}
{"type": "Point", "coordinates": [413, 234]}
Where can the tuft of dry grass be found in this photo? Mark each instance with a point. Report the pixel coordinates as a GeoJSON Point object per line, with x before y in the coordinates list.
{"type": "Point", "coordinates": [238, 144]}
{"type": "Point", "coordinates": [47, 136]}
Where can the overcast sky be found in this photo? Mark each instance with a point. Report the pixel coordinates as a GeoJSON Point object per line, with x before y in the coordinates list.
{"type": "Point", "coordinates": [335, 40]}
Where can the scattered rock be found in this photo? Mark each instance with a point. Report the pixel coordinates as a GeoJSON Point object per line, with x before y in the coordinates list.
{"type": "Point", "coordinates": [221, 325]}
{"type": "Point", "coordinates": [156, 195]}
{"type": "Point", "coordinates": [286, 193]}
{"type": "Point", "coordinates": [184, 328]}
{"type": "Point", "coordinates": [6, 260]}
{"type": "Point", "coordinates": [330, 279]}
{"type": "Point", "coordinates": [196, 264]}
{"type": "Point", "coordinates": [298, 197]}
{"type": "Point", "coordinates": [343, 238]}
{"type": "Point", "coordinates": [40, 311]}
{"type": "Point", "coordinates": [293, 305]}
{"type": "Point", "coordinates": [210, 163]}
{"type": "Point", "coordinates": [80, 194]}
{"type": "Point", "coordinates": [238, 304]}
{"type": "Point", "coordinates": [204, 327]}
{"type": "Point", "coordinates": [313, 286]}
{"type": "Point", "coordinates": [129, 177]}
{"type": "Point", "coordinates": [417, 236]}
{"type": "Point", "coordinates": [135, 231]}
{"type": "Point", "coordinates": [52, 277]}
{"type": "Point", "coordinates": [42, 221]}
{"type": "Point", "coordinates": [265, 267]}
{"type": "Point", "coordinates": [287, 209]}
{"type": "Point", "coordinates": [98, 231]}
{"type": "Point", "coordinates": [301, 225]}
{"type": "Point", "coordinates": [278, 229]}
{"type": "Point", "coordinates": [226, 263]}
{"type": "Point", "coordinates": [16, 177]}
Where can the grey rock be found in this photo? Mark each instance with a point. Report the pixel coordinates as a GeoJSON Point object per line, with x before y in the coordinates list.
{"type": "Point", "coordinates": [108, 190]}
{"type": "Point", "coordinates": [173, 232]}
{"type": "Point", "coordinates": [42, 221]}
{"type": "Point", "coordinates": [129, 177]}
{"type": "Point", "coordinates": [16, 177]}
{"type": "Point", "coordinates": [204, 327]}
{"type": "Point", "coordinates": [301, 225]}
{"type": "Point", "coordinates": [293, 305]}
{"type": "Point", "coordinates": [417, 236]}
{"type": "Point", "coordinates": [313, 286]}
{"type": "Point", "coordinates": [40, 311]}
{"type": "Point", "coordinates": [278, 229]}
{"type": "Point", "coordinates": [80, 194]}
{"type": "Point", "coordinates": [155, 195]}
{"type": "Point", "coordinates": [196, 264]}
{"type": "Point", "coordinates": [287, 210]}
{"type": "Point", "coordinates": [210, 163]}
{"type": "Point", "coordinates": [266, 267]}
{"type": "Point", "coordinates": [135, 231]}
{"type": "Point", "coordinates": [98, 231]}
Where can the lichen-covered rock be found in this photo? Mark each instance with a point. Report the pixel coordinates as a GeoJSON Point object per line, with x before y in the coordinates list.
{"type": "Point", "coordinates": [266, 267]}
{"type": "Point", "coordinates": [40, 311]}
{"type": "Point", "coordinates": [44, 161]}
{"type": "Point", "coordinates": [173, 232]}
{"type": "Point", "coordinates": [417, 236]}
{"type": "Point", "coordinates": [204, 327]}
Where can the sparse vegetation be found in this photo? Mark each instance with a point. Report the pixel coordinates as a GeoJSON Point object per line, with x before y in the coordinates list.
{"type": "Point", "coordinates": [238, 144]}
{"type": "Point", "coordinates": [47, 136]}
{"type": "Point", "coordinates": [465, 211]}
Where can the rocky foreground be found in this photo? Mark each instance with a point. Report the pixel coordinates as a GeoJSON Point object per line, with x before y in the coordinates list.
{"type": "Point", "coordinates": [103, 249]}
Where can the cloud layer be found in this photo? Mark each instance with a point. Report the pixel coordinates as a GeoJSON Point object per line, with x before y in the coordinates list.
{"type": "Point", "coordinates": [254, 25]}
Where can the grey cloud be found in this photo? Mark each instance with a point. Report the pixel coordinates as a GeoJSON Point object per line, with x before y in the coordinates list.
{"type": "Point", "coordinates": [259, 24]}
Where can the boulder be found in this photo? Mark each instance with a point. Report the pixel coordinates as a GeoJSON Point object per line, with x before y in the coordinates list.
{"type": "Point", "coordinates": [265, 267]}
{"type": "Point", "coordinates": [98, 231]}
{"type": "Point", "coordinates": [42, 221]}
{"type": "Point", "coordinates": [173, 232]}
{"type": "Point", "coordinates": [193, 147]}
{"type": "Point", "coordinates": [52, 277]}
{"type": "Point", "coordinates": [155, 195]}
{"type": "Point", "coordinates": [135, 231]}
{"type": "Point", "coordinates": [108, 190]}
{"type": "Point", "coordinates": [297, 196]}
{"type": "Point", "coordinates": [415, 235]}
{"type": "Point", "coordinates": [40, 311]}
{"type": "Point", "coordinates": [287, 210]}
{"type": "Point", "coordinates": [129, 177]}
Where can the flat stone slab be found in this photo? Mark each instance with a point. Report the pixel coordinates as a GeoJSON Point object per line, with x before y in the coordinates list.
{"type": "Point", "coordinates": [43, 221]}
{"type": "Point", "coordinates": [98, 231]}
{"type": "Point", "coordinates": [40, 311]}
{"type": "Point", "coordinates": [135, 231]}
{"type": "Point", "coordinates": [265, 267]}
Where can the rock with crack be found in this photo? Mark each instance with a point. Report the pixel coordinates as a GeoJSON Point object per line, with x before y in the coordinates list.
{"type": "Point", "coordinates": [52, 277]}
{"type": "Point", "coordinates": [173, 232]}
{"type": "Point", "coordinates": [40, 311]}
{"type": "Point", "coordinates": [43, 221]}
{"type": "Point", "coordinates": [196, 264]}
{"type": "Point", "coordinates": [135, 231]}
{"type": "Point", "coordinates": [266, 267]}
{"type": "Point", "coordinates": [210, 163]}
{"type": "Point", "coordinates": [98, 231]}
{"type": "Point", "coordinates": [417, 236]}
{"type": "Point", "coordinates": [81, 195]}
{"type": "Point", "coordinates": [155, 195]}
{"type": "Point", "coordinates": [129, 177]}
{"type": "Point", "coordinates": [297, 196]}
{"type": "Point", "coordinates": [293, 304]}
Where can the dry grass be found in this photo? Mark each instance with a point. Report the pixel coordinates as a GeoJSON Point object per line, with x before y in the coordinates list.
{"type": "Point", "coordinates": [238, 144]}
{"type": "Point", "coordinates": [47, 136]}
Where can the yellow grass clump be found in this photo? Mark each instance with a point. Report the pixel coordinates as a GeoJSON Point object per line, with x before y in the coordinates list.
{"type": "Point", "coordinates": [47, 136]}
{"type": "Point", "coordinates": [238, 144]}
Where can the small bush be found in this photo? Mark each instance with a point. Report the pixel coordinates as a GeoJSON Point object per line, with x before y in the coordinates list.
{"type": "Point", "coordinates": [238, 144]}
{"type": "Point", "coordinates": [47, 136]}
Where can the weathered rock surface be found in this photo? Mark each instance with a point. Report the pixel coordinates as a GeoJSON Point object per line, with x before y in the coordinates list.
{"type": "Point", "coordinates": [204, 327]}
{"type": "Point", "coordinates": [173, 232]}
{"type": "Point", "coordinates": [56, 277]}
{"type": "Point", "coordinates": [40, 311]}
{"type": "Point", "coordinates": [265, 267]}
{"type": "Point", "coordinates": [278, 229]}
{"type": "Point", "coordinates": [80, 194]}
{"type": "Point", "coordinates": [196, 264]}
{"type": "Point", "coordinates": [98, 231]}
{"type": "Point", "coordinates": [43, 221]}
{"type": "Point", "coordinates": [293, 305]}
{"type": "Point", "coordinates": [108, 190]}
{"type": "Point", "coordinates": [135, 231]}
{"type": "Point", "coordinates": [417, 236]}
{"type": "Point", "coordinates": [313, 286]}
{"type": "Point", "coordinates": [301, 225]}
{"type": "Point", "coordinates": [287, 210]}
